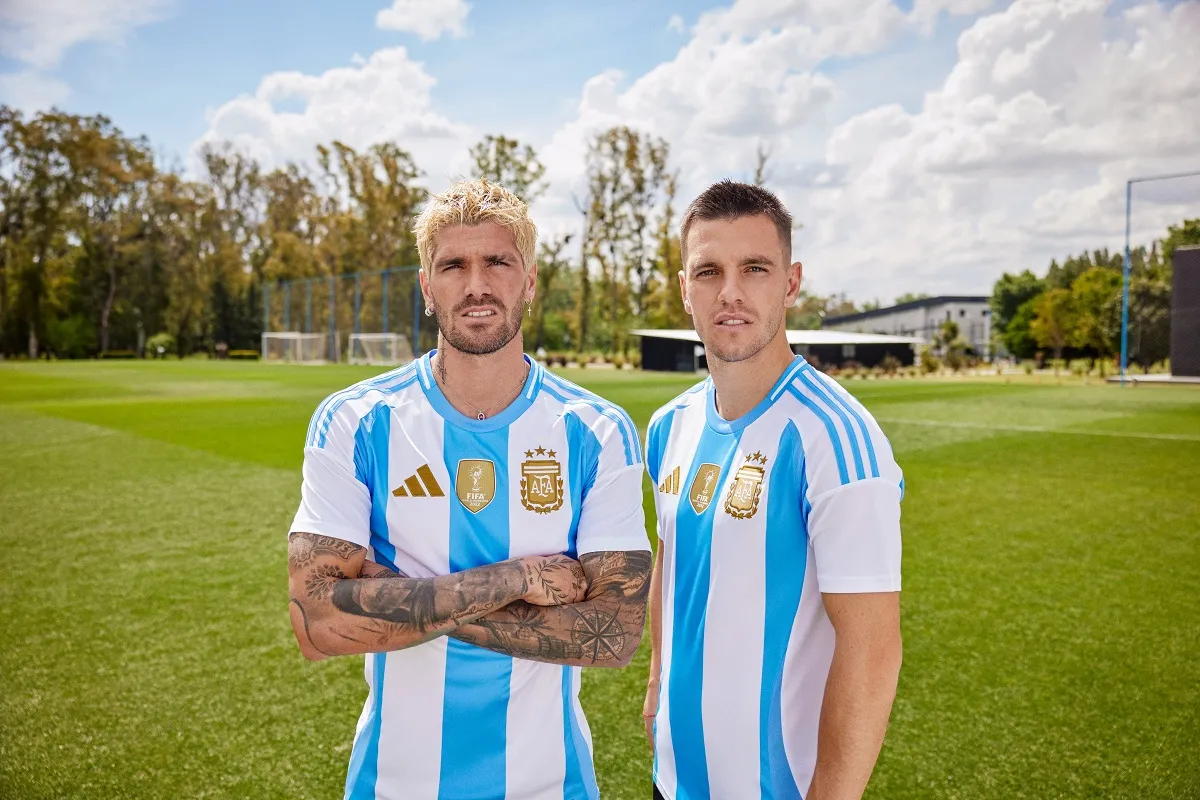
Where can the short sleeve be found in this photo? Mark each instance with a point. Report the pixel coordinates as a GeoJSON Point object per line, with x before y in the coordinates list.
{"type": "Point", "coordinates": [855, 535]}
{"type": "Point", "coordinates": [853, 488]}
{"type": "Point", "coordinates": [333, 500]}
{"type": "Point", "coordinates": [611, 517]}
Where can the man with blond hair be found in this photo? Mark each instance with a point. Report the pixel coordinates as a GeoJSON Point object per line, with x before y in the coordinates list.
{"type": "Point", "coordinates": [472, 523]}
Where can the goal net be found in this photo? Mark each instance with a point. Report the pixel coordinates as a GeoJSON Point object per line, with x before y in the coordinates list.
{"type": "Point", "coordinates": [296, 347]}
{"type": "Point", "coordinates": [380, 348]}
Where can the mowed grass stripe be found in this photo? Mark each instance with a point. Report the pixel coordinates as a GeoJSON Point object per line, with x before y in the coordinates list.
{"type": "Point", "coordinates": [1052, 589]}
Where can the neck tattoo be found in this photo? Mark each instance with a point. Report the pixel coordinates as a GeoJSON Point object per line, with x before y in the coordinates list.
{"type": "Point", "coordinates": [480, 413]}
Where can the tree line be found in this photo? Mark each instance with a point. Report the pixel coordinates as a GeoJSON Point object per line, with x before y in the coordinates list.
{"type": "Point", "coordinates": [1074, 309]}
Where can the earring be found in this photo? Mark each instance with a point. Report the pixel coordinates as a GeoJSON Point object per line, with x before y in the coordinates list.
{"type": "Point", "coordinates": [529, 307]}
{"type": "Point", "coordinates": [428, 311]}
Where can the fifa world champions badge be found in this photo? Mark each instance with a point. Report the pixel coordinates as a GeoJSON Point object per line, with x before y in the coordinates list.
{"type": "Point", "coordinates": [541, 482]}
{"type": "Point", "coordinates": [746, 489]}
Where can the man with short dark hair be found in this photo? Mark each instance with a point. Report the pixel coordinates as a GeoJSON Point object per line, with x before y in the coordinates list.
{"type": "Point", "coordinates": [774, 599]}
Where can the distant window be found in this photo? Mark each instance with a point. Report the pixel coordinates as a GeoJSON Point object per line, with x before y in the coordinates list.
{"type": "Point", "coordinates": [962, 312]}
{"type": "Point", "coordinates": [947, 313]}
{"type": "Point", "coordinates": [985, 312]}
{"type": "Point", "coordinates": [847, 351]}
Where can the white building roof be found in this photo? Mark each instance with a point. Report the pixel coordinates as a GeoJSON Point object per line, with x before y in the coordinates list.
{"type": "Point", "coordinates": [795, 337]}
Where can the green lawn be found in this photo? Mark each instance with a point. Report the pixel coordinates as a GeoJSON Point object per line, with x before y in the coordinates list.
{"type": "Point", "coordinates": [1051, 605]}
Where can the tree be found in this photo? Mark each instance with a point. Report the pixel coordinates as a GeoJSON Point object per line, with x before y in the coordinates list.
{"type": "Point", "coordinates": [1185, 233]}
{"type": "Point", "coordinates": [1011, 292]}
{"type": "Point", "coordinates": [504, 161]}
{"type": "Point", "coordinates": [627, 174]}
{"type": "Point", "coordinates": [1018, 337]}
{"type": "Point", "coordinates": [1096, 299]}
{"type": "Point", "coordinates": [1054, 320]}
{"type": "Point", "coordinates": [910, 297]}
{"type": "Point", "coordinates": [762, 158]}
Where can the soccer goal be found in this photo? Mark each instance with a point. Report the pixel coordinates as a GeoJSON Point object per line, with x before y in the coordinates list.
{"type": "Point", "coordinates": [296, 347]}
{"type": "Point", "coordinates": [380, 348]}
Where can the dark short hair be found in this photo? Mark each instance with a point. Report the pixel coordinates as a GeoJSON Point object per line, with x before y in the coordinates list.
{"type": "Point", "coordinates": [729, 200]}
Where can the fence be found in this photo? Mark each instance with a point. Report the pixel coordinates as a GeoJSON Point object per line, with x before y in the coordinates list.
{"type": "Point", "coordinates": [382, 301]}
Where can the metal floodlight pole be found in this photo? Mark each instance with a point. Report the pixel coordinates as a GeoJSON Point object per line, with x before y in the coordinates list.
{"type": "Point", "coordinates": [357, 301]}
{"type": "Point", "coordinates": [287, 305]}
{"type": "Point", "coordinates": [1126, 267]}
{"type": "Point", "coordinates": [308, 306]}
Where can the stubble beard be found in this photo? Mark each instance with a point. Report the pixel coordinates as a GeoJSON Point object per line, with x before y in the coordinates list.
{"type": "Point", "coordinates": [480, 344]}
{"type": "Point", "coordinates": [749, 350]}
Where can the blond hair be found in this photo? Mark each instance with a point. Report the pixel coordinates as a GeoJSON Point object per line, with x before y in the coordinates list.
{"type": "Point", "coordinates": [471, 202]}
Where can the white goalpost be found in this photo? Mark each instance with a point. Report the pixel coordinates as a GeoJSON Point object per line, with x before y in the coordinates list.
{"type": "Point", "coordinates": [295, 347]}
{"type": "Point", "coordinates": [380, 348]}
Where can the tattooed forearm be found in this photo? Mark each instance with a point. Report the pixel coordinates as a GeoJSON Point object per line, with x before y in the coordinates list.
{"type": "Point", "coordinates": [304, 548]}
{"type": "Point", "coordinates": [604, 630]}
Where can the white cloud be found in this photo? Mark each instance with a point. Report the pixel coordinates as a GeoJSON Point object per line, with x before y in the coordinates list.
{"type": "Point", "coordinates": [676, 25]}
{"type": "Point", "coordinates": [1020, 155]}
{"type": "Point", "coordinates": [38, 32]}
{"type": "Point", "coordinates": [31, 91]}
{"type": "Point", "coordinates": [383, 98]}
{"type": "Point", "coordinates": [429, 19]}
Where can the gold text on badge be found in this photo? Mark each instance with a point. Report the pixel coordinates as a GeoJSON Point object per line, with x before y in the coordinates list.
{"type": "Point", "coordinates": [475, 483]}
{"type": "Point", "coordinates": [746, 489]}
{"type": "Point", "coordinates": [541, 482]}
{"type": "Point", "coordinates": [704, 486]}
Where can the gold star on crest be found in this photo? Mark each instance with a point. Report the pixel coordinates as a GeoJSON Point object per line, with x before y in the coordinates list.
{"type": "Point", "coordinates": [541, 451]}
{"type": "Point", "coordinates": [552, 454]}
{"type": "Point", "coordinates": [757, 456]}
{"type": "Point", "coordinates": [529, 454]}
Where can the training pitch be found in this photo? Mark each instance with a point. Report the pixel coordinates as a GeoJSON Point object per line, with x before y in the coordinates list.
{"type": "Point", "coordinates": [1051, 588]}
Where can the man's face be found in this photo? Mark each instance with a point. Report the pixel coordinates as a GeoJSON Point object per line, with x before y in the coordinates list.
{"type": "Point", "coordinates": [478, 287]}
{"type": "Point", "coordinates": [737, 285]}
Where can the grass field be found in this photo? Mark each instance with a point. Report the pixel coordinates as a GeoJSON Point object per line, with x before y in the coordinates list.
{"type": "Point", "coordinates": [1051, 604]}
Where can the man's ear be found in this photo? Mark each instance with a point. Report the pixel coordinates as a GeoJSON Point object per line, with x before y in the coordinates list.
{"type": "Point", "coordinates": [795, 277]}
{"type": "Point", "coordinates": [687, 305]}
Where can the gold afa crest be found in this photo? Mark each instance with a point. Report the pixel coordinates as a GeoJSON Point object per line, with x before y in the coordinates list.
{"type": "Point", "coordinates": [744, 493]}
{"type": "Point", "coordinates": [704, 486]}
{"type": "Point", "coordinates": [541, 482]}
{"type": "Point", "coordinates": [475, 483]}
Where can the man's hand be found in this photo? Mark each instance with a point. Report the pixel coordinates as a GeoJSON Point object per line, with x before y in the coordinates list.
{"type": "Point", "coordinates": [553, 580]}
{"type": "Point", "coordinates": [650, 710]}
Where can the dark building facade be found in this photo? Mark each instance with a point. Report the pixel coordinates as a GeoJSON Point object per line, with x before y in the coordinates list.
{"type": "Point", "coordinates": [1185, 312]}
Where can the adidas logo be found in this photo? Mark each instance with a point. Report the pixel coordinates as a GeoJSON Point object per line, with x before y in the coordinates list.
{"type": "Point", "coordinates": [671, 484]}
{"type": "Point", "coordinates": [422, 484]}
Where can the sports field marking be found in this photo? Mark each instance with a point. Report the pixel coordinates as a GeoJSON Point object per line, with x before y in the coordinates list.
{"type": "Point", "coordinates": [1174, 437]}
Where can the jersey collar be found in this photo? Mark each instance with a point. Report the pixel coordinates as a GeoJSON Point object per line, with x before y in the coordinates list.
{"type": "Point", "coordinates": [720, 425]}
{"type": "Point", "coordinates": [433, 393]}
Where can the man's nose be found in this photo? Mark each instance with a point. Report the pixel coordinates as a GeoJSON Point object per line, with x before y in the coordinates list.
{"type": "Point", "coordinates": [477, 281]}
{"type": "Point", "coordinates": [731, 289]}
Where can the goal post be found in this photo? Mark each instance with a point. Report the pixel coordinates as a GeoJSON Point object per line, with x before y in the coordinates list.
{"type": "Point", "coordinates": [295, 347]}
{"type": "Point", "coordinates": [380, 348]}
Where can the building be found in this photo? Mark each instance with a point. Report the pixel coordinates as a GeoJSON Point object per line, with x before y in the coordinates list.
{"type": "Point", "coordinates": [923, 319]}
{"type": "Point", "coordinates": [681, 351]}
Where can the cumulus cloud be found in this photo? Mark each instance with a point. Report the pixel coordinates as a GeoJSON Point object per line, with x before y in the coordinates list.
{"type": "Point", "coordinates": [675, 24]}
{"type": "Point", "coordinates": [383, 98]}
{"type": "Point", "coordinates": [429, 19]}
{"type": "Point", "coordinates": [1019, 155]}
{"type": "Point", "coordinates": [38, 32]}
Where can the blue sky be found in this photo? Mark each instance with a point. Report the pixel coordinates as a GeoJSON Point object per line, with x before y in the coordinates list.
{"type": "Point", "coordinates": [927, 145]}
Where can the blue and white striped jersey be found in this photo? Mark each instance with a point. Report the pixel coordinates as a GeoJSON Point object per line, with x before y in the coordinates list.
{"type": "Point", "coordinates": [756, 518]}
{"type": "Point", "coordinates": [389, 464]}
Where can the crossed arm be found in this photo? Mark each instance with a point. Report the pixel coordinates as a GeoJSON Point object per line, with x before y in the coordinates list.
{"type": "Point", "coordinates": [532, 607]}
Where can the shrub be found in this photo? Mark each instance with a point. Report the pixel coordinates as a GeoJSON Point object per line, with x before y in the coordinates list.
{"type": "Point", "coordinates": [160, 345]}
{"type": "Point", "coordinates": [618, 361]}
{"type": "Point", "coordinates": [581, 360]}
{"type": "Point", "coordinates": [72, 337]}
{"type": "Point", "coordinates": [929, 362]}
{"type": "Point", "coordinates": [890, 364]}
{"type": "Point", "coordinates": [118, 354]}
{"type": "Point", "coordinates": [244, 355]}
{"type": "Point", "coordinates": [635, 358]}
{"type": "Point", "coordinates": [1027, 365]}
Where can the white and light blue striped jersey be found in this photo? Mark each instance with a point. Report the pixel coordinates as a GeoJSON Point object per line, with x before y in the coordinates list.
{"type": "Point", "coordinates": [389, 464]}
{"type": "Point", "coordinates": [756, 518]}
